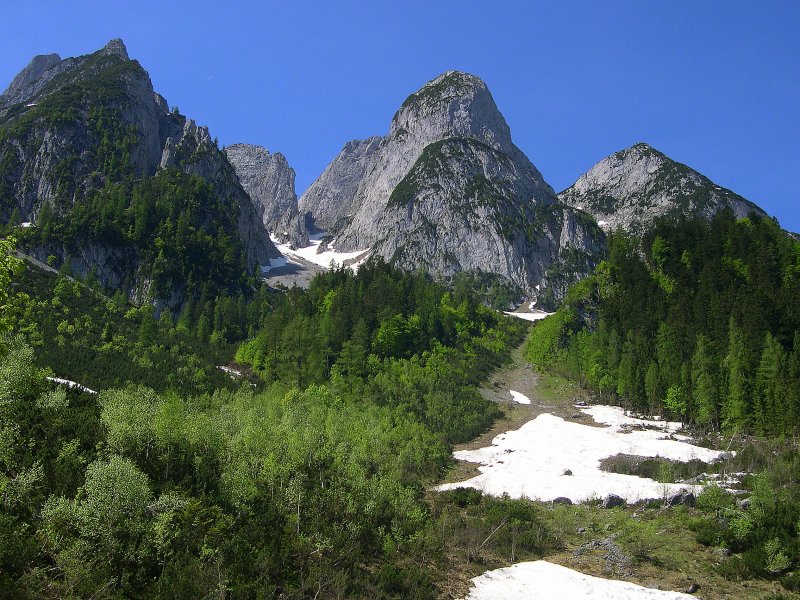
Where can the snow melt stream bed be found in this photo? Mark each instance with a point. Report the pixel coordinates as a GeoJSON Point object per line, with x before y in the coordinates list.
{"type": "Point", "coordinates": [531, 462]}
{"type": "Point", "coordinates": [547, 581]}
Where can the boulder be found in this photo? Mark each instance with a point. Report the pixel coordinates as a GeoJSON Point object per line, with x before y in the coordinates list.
{"type": "Point", "coordinates": [682, 498]}
{"type": "Point", "coordinates": [612, 501]}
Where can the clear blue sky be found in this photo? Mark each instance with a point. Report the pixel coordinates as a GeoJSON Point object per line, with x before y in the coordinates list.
{"type": "Point", "coordinates": [713, 84]}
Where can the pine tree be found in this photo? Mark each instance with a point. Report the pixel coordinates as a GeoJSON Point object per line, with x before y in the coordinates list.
{"type": "Point", "coordinates": [705, 386]}
{"type": "Point", "coordinates": [792, 387]}
{"type": "Point", "coordinates": [735, 402]}
{"type": "Point", "coordinates": [627, 368]}
{"type": "Point", "coordinates": [652, 387]}
{"type": "Point", "coordinates": [768, 389]}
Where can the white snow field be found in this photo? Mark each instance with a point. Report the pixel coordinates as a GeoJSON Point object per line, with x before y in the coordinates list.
{"type": "Point", "coordinates": [542, 580]}
{"type": "Point", "coordinates": [531, 462]}
{"type": "Point", "coordinates": [520, 398]}
{"type": "Point", "coordinates": [323, 259]}
{"type": "Point", "coordinates": [274, 263]}
{"type": "Point", "coordinates": [234, 373]}
{"type": "Point", "coordinates": [534, 315]}
{"type": "Point", "coordinates": [616, 418]}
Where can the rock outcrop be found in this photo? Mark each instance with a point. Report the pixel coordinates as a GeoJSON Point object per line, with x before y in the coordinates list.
{"type": "Point", "coordinates": [631, 188]}
{"type": "Point", "coordinates": [447, 190]}
{"type": "Point", "coordinates": [269, 181]}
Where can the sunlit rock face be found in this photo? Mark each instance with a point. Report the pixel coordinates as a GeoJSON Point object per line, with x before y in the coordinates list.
{"type": "Point", "coordinates": [269, 181]}
{"type": "Point", "coordinates": [447, 191]}
{"type": "Point", "coordinates": [631, 188]}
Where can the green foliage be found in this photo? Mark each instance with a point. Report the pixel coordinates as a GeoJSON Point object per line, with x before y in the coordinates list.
{"type": "Point", "coordinates": [313, 486]}
{"type": "Point", "coordinates": [763, 533]}
{"type": "Point", "coordinates": [174, 229]}
{"type": "Point", "coordinates": [397, 337]}
{"type": "Point", "coordinates": [9, 266]}
{"type": "Point", "coordinates": [700, 324]}
{"type": "Point", "coordinates": [104, 342]}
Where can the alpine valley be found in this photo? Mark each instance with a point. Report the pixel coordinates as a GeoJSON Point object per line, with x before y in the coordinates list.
{"type": "Point", "coordinates": [211, 387]}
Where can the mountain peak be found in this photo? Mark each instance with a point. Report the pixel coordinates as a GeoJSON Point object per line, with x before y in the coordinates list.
{"type": "Point", "coordinates": [448, 85]}
{"type": "Point", "coordinates": [632, 187]}
{"type": "Point", "coordinates": [454, 104]}
{"type": "Point", "coordinates": [36, 68]}
{"type": "Point", "coordinates": [116, 47]}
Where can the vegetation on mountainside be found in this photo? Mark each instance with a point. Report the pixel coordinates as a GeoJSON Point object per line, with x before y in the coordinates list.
{"type": "Point", "coordinates": [701, 322]}
{"type": "Point", "coordinates": [458, 82]}
{"type": "Point", "coordinates": [104, 342]}
{"type": "Point", "coordinates": [702, 325]}
{"type": "Point", "coordinates": [174, 230]}
{"type": "Point", "coordinates": [314, 486]}
{"type": "Point", "coordinates": [172, 227]}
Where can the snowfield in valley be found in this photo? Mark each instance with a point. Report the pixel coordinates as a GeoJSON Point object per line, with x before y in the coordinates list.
{"type": "Point", "coordinates": [547, 581]}
{"type": "Point", "coordinates": [323, 259]}
{"type": "Point", "coordinates": [534, 315]}
{"type": "Point", "coordinates": [535, 460]}
{"type": "Point", "coordinates": [71, 384]}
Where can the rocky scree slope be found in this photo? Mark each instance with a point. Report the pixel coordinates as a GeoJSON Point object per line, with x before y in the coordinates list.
{"type": "Point", "coordinates": [447, 190]}
{"type": "Point", "coordinates": [631, 188]}
{"type": "Point", "coordinates": [71, 130]}
{"type": "Point", "coordinates": [269, 181]}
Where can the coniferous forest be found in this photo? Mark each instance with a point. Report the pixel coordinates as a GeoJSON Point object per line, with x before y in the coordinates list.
{"type": "Point", "coordinates": [304, 471]}
{"type": "Point", "coordinates": [700, 321]}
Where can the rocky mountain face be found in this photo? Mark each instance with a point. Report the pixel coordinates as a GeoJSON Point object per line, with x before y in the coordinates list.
{"type": "Point", "coordinates": [269, 181]}
{"type": "Point", "coordinates": [71, 128]}
{"type": "Point", "coordinates": [332, 196]}
{"type": "Point", "coordinates": [631, 188]}
{"type": "Point", "coordinates": [448, 191]}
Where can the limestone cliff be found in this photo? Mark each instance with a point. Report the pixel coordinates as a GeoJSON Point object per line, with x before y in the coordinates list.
{"type": "Point", "coordinates": [76, 130]}
{"type": "Point", "coordinates": [631, 188]}
{"type": "Point", "coordinates": [269, 181]}
{"type": "Point", "coordinates": [448, 191]}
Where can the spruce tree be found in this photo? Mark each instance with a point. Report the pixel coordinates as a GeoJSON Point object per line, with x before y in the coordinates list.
{"type": "Point", "coordinates": [705, 386]}
{"type": "Point", "coordinates": [735, 403]}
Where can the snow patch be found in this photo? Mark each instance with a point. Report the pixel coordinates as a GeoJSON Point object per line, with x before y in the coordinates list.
{"type": "Point", "coordinates": [602, 223]}
{"type": "Point", "coordinates": [534, 315]}
{"type": "Point", "coordinates": [26, 224]}
{"type": "Point", "coordinates": [530, 462]}
{"type": "Point", "coordinates": [71, 384]}
{"type": "Point", "coordinates": [274, 263]}
{"type": "Point", "coordinates": [520, 398]}
{"type": "Point", "coordinates": [234, 373]}
{"type": "Point", "coordinates": [615, 417]}
{"type": "Point", "coordinates": [310, 253]}
{"type": "Point", "coordinates": [547, 581]}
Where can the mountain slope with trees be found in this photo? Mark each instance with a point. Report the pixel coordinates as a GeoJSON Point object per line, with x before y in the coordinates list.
{"type": "Point", "coordinates": [699, 321]}
{"type": "Point", "coordinates": [118, 186]}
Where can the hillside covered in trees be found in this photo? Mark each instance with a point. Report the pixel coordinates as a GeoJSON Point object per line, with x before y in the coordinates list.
{"type": "Point", "coordinates": [699, 321]}
{"type": "Point", "coordinates": [311, 482]}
